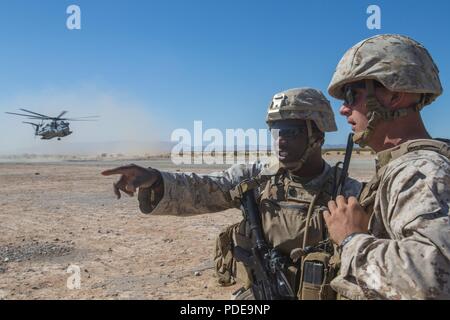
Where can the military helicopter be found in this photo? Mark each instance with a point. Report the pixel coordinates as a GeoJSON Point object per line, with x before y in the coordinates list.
{"type": "Point", "coordinates": [57, 127]}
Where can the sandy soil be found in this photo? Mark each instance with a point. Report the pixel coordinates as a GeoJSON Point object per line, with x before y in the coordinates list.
{"type": "Point", "coordinates": [55, 215]}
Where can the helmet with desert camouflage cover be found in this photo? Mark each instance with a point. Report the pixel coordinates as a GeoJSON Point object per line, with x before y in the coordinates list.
{"type": "Point", "coordinates": [399, 63]}
{"type": "Point", "coordinates": [303, 104]}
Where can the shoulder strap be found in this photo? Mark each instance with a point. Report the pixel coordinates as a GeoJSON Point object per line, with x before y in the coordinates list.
{"type": "Point", "coordinates": [248, 184]}
{"type": "Point", "coordinates": [440, 146]}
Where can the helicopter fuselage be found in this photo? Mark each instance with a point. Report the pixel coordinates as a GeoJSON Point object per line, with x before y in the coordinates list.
{"type": "Point", "coordinates": [57, 129]}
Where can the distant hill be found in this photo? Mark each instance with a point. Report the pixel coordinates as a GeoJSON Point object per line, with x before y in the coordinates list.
{"type": "Point", "coordinates": [92, 148]}
{"type": "Point", "coordinates": [55, 147]}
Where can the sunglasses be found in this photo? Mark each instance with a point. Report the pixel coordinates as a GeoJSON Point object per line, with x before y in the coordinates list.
{"type": "Point", "coordinates": [350, 93]}
{"type": "Point", "coordinates": [288, 133]}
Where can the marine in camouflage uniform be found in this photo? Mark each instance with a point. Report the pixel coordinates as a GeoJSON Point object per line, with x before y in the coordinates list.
{"type": "Point", "coordinates": [287, 201]}
{"type": "Point", "coordinates": [406, 252]}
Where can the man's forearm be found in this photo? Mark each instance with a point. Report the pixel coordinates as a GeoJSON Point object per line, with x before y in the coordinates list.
{"type": "Point", "coordinates": [191, 193]}
{"type": "Point", "coordinates": [183, 193]}
{"type": "Point", "coordinates": [149, 198]}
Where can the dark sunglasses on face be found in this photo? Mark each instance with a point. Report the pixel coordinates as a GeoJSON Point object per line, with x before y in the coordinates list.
{"type": "Point", "coordinates": [349, 96]}
{"type": "Point", "coordinates": [292, 132]}
{"type": "Point", "coordinates": [350, 93]}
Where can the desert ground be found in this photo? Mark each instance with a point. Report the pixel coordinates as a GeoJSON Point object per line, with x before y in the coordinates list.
{"type": "Point", "coordinates": [57, 215]}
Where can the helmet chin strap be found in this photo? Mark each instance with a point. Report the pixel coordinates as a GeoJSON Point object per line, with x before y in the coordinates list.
{"type": "Point", "coordinates": [378, 113]}
{"type": "Point", "coordinates": [313, 143]}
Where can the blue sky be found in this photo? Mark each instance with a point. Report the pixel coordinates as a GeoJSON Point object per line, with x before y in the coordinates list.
{"type": "Point", "coordinates": [173, 62]}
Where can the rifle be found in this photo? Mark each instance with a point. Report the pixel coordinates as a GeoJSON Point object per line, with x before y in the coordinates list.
{"type": "Point", "coordinates": [267, 265]}
{"type": "Point", "coordinates": [338, 189]}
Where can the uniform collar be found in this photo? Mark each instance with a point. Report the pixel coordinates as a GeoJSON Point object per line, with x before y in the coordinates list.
{"type": "Point", "coordinates": [384, 157]}
{"type": "Point", "coordinates": [314, 183]}
{"type": "Point", "coordinates": [273, 168]}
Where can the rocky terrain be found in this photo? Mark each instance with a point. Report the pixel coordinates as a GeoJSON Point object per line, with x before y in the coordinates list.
{"type": "Point", "coordinates": [61, 217]}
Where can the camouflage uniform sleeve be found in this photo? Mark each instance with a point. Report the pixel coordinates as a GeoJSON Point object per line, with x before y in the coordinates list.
{"type": "Point", "coordinates": [191, 193]}
{"type": "Point", "coordinates": [414, 261]}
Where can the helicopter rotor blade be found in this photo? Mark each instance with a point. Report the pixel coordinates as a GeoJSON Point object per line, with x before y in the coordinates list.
{"type": "Point", "coordinates": [30, 116]}
{"type": "Point", "coordinates": [33, 124]}
{"type": "Point", "coordinates": [61, 114]}
{"type": "Point", "coordinates": [25, 115]}
{"type": "Point", "coordinates": [87, 117]}
{"type": "Point", "coordinates": [38, 116]}
{"type": "Point", "coordinates": [80, 118]}
{"type": "Point", "coordinates": [41, 115]}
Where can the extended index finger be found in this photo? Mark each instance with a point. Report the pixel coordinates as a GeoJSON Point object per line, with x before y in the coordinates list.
{"type": "Point", "coordinates": [119, 170]}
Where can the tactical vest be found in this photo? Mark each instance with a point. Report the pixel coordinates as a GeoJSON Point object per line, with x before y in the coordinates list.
{"type": "Point", "coordinates": [285, 206]}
